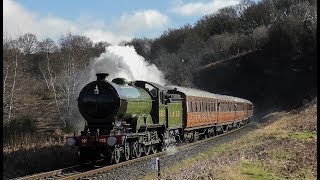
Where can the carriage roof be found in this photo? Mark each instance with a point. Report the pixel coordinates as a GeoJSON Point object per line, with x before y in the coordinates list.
{"type": "Point", "coordinates": [205, 94]}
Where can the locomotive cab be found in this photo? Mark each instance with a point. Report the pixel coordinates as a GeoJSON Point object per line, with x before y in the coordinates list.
{"type": "Point", "coordinates": [156, 92]}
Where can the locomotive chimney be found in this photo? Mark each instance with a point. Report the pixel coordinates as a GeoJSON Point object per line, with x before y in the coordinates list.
{"type": "Point", "coordinates": [101, 76]}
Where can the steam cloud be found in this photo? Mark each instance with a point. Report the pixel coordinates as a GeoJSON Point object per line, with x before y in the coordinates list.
{"type": "Point", "coordinates": [125, 62]}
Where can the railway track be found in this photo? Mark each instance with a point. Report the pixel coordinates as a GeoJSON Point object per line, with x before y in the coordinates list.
{"type": "Point", "coordinates": [87, 170]}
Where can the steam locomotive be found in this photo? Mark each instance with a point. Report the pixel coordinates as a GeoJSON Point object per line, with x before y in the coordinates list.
{"type": "Point", "coordinates": [130, 119]}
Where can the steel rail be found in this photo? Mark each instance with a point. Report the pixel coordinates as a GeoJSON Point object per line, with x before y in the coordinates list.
{"type": "Point", "coordinates": [71, 173]}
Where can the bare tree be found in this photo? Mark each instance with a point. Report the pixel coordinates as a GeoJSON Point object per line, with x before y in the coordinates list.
{"type": "Point", "coordinates": [11, 59]}
{"type": "Point", "coordinates": [46, 47]}
{"type": "Point", "coordinates": [28, 43]}
{"type": "Point", "coordinates": [75, 52]}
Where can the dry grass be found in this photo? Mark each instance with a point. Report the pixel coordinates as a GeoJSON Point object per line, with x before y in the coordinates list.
{"type": "Point", "coordinates": [29, 141]}
{"type": "Point", "coordinates": [36, 153]}
{"type": "Point", "coordinates": [283, 148]}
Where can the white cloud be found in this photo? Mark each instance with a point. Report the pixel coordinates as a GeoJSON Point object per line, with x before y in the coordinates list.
{"type": "Point", "coordinates": [200, 8]}
{"type": "Point", "coordinates": [18, 20]}
{"type": "Point", "coordinates": [105, 35]}
{"type": "Point", "coordinates": [142, 20]}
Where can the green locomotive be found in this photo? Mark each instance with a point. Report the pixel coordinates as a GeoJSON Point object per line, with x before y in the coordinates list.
{"type": "Point", "coordinates": [125, 119]}
{"type": "Point", "coordinates": [130, 119]}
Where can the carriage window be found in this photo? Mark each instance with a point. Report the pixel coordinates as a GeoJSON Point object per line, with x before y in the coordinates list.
{"type": "Point", "coordinates": [202, 106]}
{"type": "Point", "coordinates": [196, 106]}
{"type": "Point", "coordinates": [191, 108]}
{"type": "Point", "coordinates": [212, 103]}
{"type": "Point", "coordinates": [206, 105]}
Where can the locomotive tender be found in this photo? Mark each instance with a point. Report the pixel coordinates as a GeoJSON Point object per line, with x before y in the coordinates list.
{"type": "Point", "coordinates": [130, 119]}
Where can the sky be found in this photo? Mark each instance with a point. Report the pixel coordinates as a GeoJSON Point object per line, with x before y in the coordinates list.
{"type": "Point", "coordinates": [104, 20]}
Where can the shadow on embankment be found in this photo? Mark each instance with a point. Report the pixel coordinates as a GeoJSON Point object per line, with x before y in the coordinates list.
{"type": "Point", "coordinates": [24, 162]}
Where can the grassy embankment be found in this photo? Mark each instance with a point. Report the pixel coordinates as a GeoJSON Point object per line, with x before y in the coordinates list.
{"type": "Point", "coordinates": [284, 147]}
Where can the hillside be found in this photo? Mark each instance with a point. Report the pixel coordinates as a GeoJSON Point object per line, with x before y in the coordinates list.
{"type": "Point", "coordinates": [270, 81]}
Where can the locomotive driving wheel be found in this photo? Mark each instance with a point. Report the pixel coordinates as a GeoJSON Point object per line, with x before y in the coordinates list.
{"type": "Point", "coordinates": [116, 155]}
{"type": "Point", "coordinates": [154, 136]}
{"type": "Point", "coordinates": [136, 149]}
{"type": "Point", "coordinates": [154, 148]}
{"type": "Point", "coordinates": [127, 152]}
{"type": "Point", "coordinates": [165, 141]}
{"type": "Point", "coordinates": [146, 149]}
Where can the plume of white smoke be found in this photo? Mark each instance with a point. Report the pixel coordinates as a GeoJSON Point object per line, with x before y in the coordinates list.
{"type": "Point", "coordinates": [125, 62]}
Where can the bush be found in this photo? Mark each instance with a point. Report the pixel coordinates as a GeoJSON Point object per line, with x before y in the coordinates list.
{"type": "Point", "coordinates": [23, 124]}
{"type": "Point", "coordinates": [260, 36]}
{"type": "Point", "coordinates": [19, 126]}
